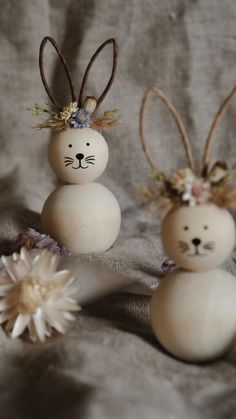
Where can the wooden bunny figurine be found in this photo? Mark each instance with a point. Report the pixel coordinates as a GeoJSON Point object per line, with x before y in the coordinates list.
{"type": "Point", "coordinates": [82, 215]}
{"type": "Point", "coordinates": [193, 311]}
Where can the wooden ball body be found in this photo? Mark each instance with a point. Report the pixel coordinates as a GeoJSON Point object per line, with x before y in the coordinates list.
{"type": "Point", "coordinates": [85, 218]}
{"type": "Point", "coordinates": [193, 315]}
{"type": "Point", "coordinates": [82, 215]}
{"type": "Point", "coordinates": [193, 311]}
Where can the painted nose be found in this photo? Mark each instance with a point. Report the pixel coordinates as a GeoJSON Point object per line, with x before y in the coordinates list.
{"type": "Point", "coordinates": [196, 242]}
{"type": "Point", "coordinates": [79, 156]}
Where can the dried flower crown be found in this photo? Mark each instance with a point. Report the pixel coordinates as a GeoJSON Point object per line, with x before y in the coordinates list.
{"type": "Point", "coordinates": [185, 187]}
{"type": "Point", "coordinates": [79, 113]}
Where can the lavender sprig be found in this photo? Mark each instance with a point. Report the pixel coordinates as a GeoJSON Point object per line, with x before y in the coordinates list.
{"type": "Point", "coordinates": [32, 239]}
{"type": "Point", "coordinates": [168, 265]}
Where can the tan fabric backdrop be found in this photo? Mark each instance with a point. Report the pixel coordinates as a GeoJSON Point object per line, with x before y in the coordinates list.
{"type": "Point", "coordinates": [110, 365]}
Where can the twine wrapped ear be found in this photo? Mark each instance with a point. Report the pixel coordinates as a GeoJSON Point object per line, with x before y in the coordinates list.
{"type": "Point", "coordinates": [42, 73]}
{"type": "Point", "coordinates": [180, 125]}
{"type": "Point", "coordinates": [215, 124]}
{"type": "Point", "coordinates": [97, 102]}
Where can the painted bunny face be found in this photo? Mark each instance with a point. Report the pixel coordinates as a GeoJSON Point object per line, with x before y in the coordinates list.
{"type": "Point", "coordinates": [78, 155]}
{"type": "Point", "coordinates": [198, 238]}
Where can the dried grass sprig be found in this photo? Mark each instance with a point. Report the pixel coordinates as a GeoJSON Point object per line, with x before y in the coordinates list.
{"type": "Point", "coordinates": [156, 198]}
{"type": "Point", "coordinates": [224, 196]}
{"type": "Point", "coordinates": [56, 124]}
{"type": "Point", "coordinates": [37, 110]}
{"type": "Point", "coordinates": [108, 120]}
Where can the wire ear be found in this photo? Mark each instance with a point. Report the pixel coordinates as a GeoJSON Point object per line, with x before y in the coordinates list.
{"type": "Point", "coordinates": [63, 61]}
{"type": "Point", "coordinates": [180, 125]}
{"type": "Point", "coordinates": [215, 124]}
{"type": "Point", "coordinates": [111, 41]}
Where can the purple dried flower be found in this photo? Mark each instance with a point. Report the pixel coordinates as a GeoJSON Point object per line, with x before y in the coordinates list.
{"type": "Point", "coordinates": [168, 265]}
{"type": "Point", "coordinates": [32, 239]}
{"type": "Point", "coordinates": [80, 119]}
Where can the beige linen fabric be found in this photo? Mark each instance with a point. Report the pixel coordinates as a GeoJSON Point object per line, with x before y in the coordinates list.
{"type": "Point", "coordinates": [110, 365]}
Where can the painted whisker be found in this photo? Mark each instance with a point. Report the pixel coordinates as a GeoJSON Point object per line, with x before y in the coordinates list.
{"type": "Point", "coordinates": [184, 246]}
{"type": "Point", "coordinates": [209, 246]}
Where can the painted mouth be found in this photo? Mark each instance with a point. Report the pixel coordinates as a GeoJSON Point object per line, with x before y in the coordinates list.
{"type": "Point", "coordinates": [89, 160]}
{"type": "Point", "coordinates": [197, 253]}
{"type": "Point", "coordinates": [79, 167]}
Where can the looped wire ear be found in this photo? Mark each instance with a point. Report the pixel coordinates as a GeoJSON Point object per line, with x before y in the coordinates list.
{"type": "Point", "coordinates": [215, 124]}
{"type": "Point", "coordinates": [180, 125]}
{"type": "Point", "coordinates": [63, 61]}
{"type": "Point", "coordinates": [91, 62]}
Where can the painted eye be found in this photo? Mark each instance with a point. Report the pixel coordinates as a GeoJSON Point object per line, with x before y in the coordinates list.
{"type": "Point", "coordinates": [185, 228]}
{"type": "Point", "coordinates": [205, 227]}
{"type": "Point", "coordinates": [87, 144]}
{"type": "Point", "coordinates": [70, 145]}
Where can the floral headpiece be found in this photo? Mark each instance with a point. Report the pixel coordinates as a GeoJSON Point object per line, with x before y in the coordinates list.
{"type": "Point", "coordinates": [184, 187]}
{"type": "Point", "coordinates": [79, 113]}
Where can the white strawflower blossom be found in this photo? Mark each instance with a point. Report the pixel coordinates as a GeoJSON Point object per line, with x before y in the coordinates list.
{"type": "Point", "coordinates": [34, 297]}
{"type": "Point", "coordinates": [197, 191]}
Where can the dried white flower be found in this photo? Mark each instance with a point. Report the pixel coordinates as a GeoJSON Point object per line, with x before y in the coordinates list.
{"type": "Point", "coordinates": [34, 296]}
{"type": "Point", "coordinates": [197, 191]}
{"type": "Point", "coordinates": [179, 179]}
{"type": "Point", "coordinates": [67, 111]}
{"type": "Point", "coordinates": [218, 172]}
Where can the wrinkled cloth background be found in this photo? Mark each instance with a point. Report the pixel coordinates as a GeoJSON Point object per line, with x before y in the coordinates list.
{"type": "Point", "coordinates": [110, 365]}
